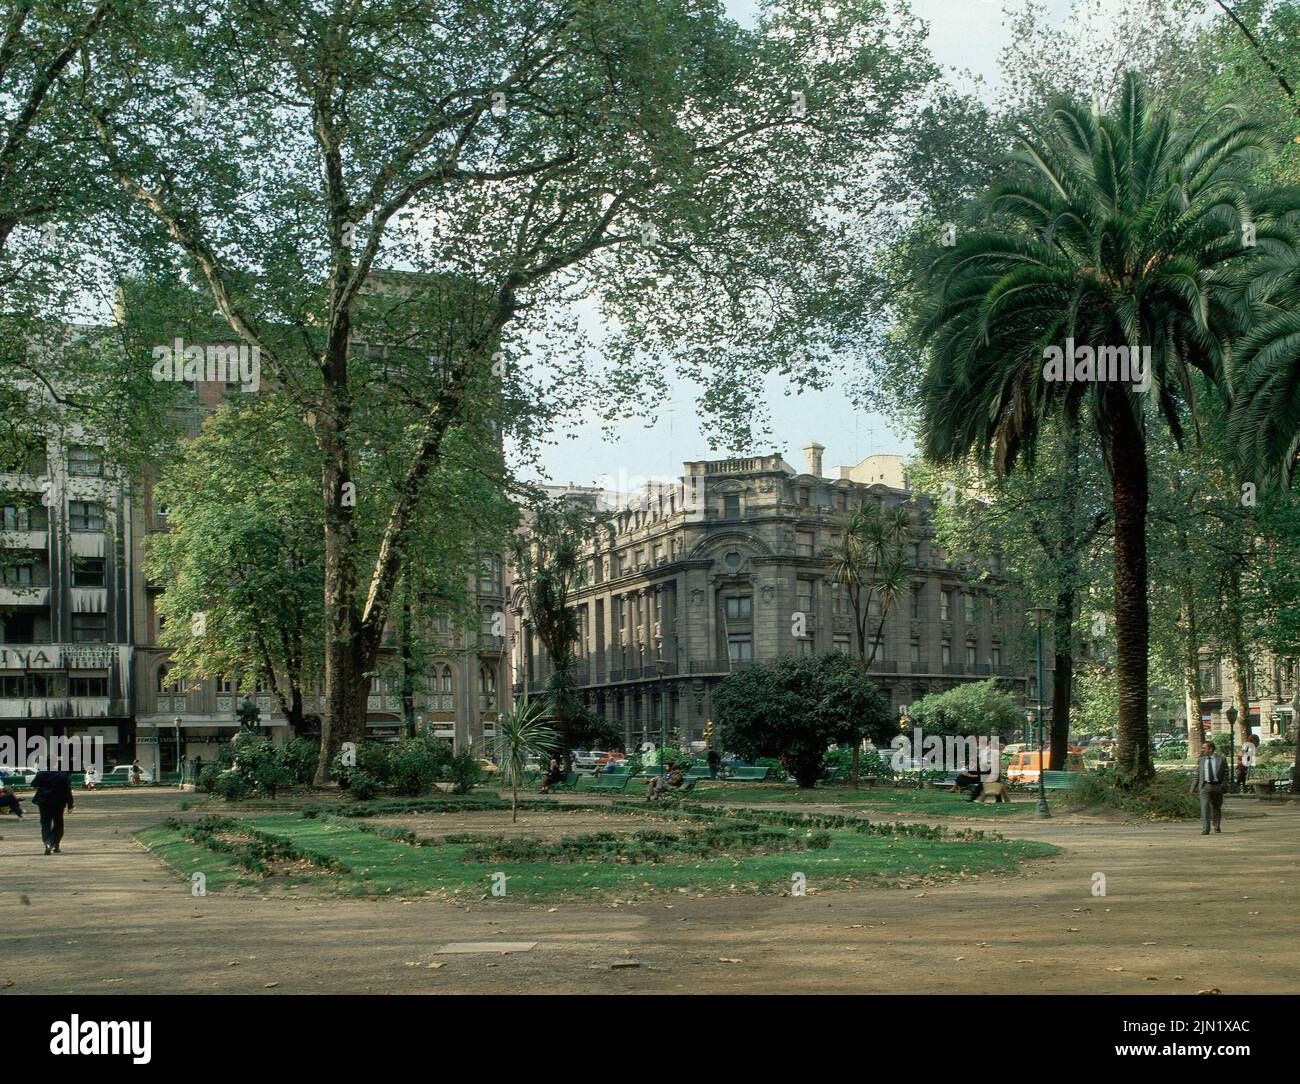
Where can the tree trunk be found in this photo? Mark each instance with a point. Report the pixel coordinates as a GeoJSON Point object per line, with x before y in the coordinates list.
{"type": "Point", "coordinates": [1191, 669]}
{"type": "Point", "coordinates": [1062, 677]}
{"type": "Point", "coordinates": [407, 648]}
{"type": "Point", "coordinates": [1240, 664]}
{"type": "Point", "coordinates": [1128, 471]}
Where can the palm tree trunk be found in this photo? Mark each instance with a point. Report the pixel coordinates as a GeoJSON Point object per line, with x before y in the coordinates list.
{"type": "Point", "coordinates": [1062, 677]}
{"type": "Point", "coordinates": [514, 802]}
{"type": "Point", "coordinates": [1128, 472]}
{"type": "Point", "coordinates": [1240, 664]}
{"type": "Point", "coordinates": [1191, 663]}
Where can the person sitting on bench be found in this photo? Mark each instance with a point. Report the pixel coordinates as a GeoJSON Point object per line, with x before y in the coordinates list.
{"type": "Point", "coordinates": [7, 799]}
{"type": "Point", "coordinates": [553, 776]}
{"type": "Point", "coordinates": [674, 779]}
{"type": "Point", "coordinates": [969, 778]}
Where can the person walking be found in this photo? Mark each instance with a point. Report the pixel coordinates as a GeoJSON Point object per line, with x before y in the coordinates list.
{"type": "Point", "coordinates": [52, 795]}
{"type": "Point", "coordinates": [715, 762]}
{"type": "Point", "coordinates": [1211, 778]}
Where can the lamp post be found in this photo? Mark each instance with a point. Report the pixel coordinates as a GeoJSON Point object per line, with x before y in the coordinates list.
{"type": "Point", "coordinates": [660, 667]}
{"type": "Point", "coordinates": [1040, 612]}
{"type": "Point", "coordinates": [180, 768]}
{"type": "Point", "coordinates": [1231, 715]}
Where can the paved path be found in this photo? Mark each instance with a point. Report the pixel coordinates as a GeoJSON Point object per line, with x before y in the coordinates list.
{"type": "Point", "coordinates": [1182, 913]}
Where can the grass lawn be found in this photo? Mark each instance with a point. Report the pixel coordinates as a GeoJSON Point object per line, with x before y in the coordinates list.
{"type": "Point", "coordinates": [902, 802]}
{"type": "Point", "coordinates": [380, 866]}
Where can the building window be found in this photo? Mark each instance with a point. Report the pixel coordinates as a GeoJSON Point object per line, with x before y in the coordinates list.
{"type": "Point", "coordinates": [804, 595]}
{"type": "Point", "coordinates": [915, 655]}
{"type": "Point", "coordinates": [88, 686]}
{"type": "Point", "coordinates": [945, 654]}
{"type": "Point", "coordinates": [995, 656]}
{"type": "Point", "coordinates": [487, 689]}
{"type": "Point", "coordinates": [85, 462]}
{"type": "Point", "coordinates": [843, 644]}
{"type": "Point", "coordinates": [915, 549]}
{"type": "Point", "coordinates": [806, 645]}
{"type": "Point", "coordinates": [970, 655]}
{"type": "Point", "coordinates": [89, 628]}
{"type": "Point", "coordinates": [731, 506]}
{"type": "Point", "coordinates": [945, 605]}
{"type": "Point", "coordinates": [85, 516]}
{"type": "Point", "coordinates": [21, 517]}
{"type": "Point", "coordinates": [26, 571]}
{"type": "Point", "coordinates": [440, 688]}
{"type": "Point", "coordinates": [917, 588]}
{"type": "Point", "coordinates": [26, 686]}
{"type": "Point", "coordinates": [841, 501]}
{"type": "Point", "coordinates": [804, 543]}
{"type": "Point", "coordinates": [969, 602]}
{"type": "Point", "coordinates": [166, 685]}
{"type": "Point", "coordinates": [88, 572]}
{"type": "Point", "coordinates": [489, 576]}
{"type": "Point", "coordinates": [739, 607]}
{"type": "Point", "coordinates": [740, 649]}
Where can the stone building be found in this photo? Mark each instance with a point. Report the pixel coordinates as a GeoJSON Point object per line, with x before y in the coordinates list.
{"type": "Point", "coordinates": [65, 600]}
{"type": "Point", "coordinates": [698, 577]}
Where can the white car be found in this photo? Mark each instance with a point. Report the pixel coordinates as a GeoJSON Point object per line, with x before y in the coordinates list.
{"type": "Point", "coordinates": [18, 777]}
{"type": "Point", "coordinates": [123, 772]}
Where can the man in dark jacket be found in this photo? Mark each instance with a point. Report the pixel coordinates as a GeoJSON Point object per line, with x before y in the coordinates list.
{"type": "Point", "coordinates": [52, 795]}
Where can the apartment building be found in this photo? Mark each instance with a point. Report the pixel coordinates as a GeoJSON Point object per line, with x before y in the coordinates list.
{"type": "Point", "coordinates": [698, 577]}
{"type": "Point", "coordinates": [66, 566]}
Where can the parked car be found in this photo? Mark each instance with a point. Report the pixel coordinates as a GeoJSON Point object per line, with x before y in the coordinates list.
{"type": "Point", "coordinates": [123, 772]}
{"type": "Point", "coordinates": [18, 777]}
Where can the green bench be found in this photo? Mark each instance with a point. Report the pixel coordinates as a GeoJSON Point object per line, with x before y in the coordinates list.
{"type": "Point", "coordinates": [606, 781]}
{"type": "Point", "coordinates": [1058, 780]}
{"type": "Point", "coordinates": [748, 775]}
{"type": "Point", "coordinates": [698, 771]}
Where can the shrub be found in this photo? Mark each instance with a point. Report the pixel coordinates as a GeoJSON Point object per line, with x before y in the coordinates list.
{"type": "Point", "coordinates": [413, 767]}
{"type": "Point", "coordinates": [299, 760]}
{"type": "Point", "coordinates": [362, 785]}
{"type": "Point", "coordinates": [372, 757]}
{"type": "Point", "coordinates": [261, 765]}
{"type": "Point", "coordinates": [232, 786]}
{"type": "Point", "coordinates": [1165, 798]}
{"type": "Point", "coordinates": [208, 777]}
{"type": "Point", "coordinates": [462, 772]}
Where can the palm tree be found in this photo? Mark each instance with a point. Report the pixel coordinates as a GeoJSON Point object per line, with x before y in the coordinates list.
{"type": "Point", "coordinates": [1128, 231]}
{"type": "Point", "coordinates": [522, 733]}
{"type": "Point", "coordinates": [870, 564]}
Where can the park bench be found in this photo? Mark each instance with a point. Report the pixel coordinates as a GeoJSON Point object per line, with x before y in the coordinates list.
{"type": "Point", "coordinates": [1059, 780]}
{"type": "Point", "coordinates": [610, 781]}
{"type": "Point", "coordinates": [698, 771]}
{"type": "Point", "coordinates": [748, 775]}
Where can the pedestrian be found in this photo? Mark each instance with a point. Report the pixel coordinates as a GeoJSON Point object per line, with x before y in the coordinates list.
{"type": "Point", "coordinates": [1211, 776]}
{"type": "Point", "coordinates": [90, 779]}
{"type": "Point", "coordinates": [1241, 774]}
{"type": "Point", "coordinates": [53, 794]}
{"type": "Point", "coordinates": [198, 767]}
{"type": "Point", "coordinates": [715, 762]}
{"type": "Point", "coordinates": [136, 771]}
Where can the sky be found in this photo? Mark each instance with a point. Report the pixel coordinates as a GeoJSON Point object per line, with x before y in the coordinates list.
{"type": "Point", "coordinates": [965, 35]}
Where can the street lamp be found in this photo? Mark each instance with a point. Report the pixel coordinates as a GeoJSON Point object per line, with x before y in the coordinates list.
{"type": "Point", "coordinates": [179, 767]}
{"type": "Point", "coordinates": [1231, 715]}
{"type": "Point", "coordinates": [1040, 612]}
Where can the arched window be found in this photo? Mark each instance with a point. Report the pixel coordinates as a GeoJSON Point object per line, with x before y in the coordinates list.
{"type": "Point", "coordinates": [165, 685]}
{"type": "Point", "coordinates": [438, 687]}
{"type": "Point", "coordinates": [487, 689]}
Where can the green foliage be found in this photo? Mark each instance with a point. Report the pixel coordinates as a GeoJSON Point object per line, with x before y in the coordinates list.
{"type": "Point", "coordinates": [797, 707]}
{"type": "Point", "coordinates": [362, 785]}
{"type": "Point", "coordinates": [413, 767]}
{"type": "Point", "coordinates": [208, 777]}
{"type": "Point", "coordinates": [463, 772]}
{"type": "Point", "coordinates": [260, 764]}
{"type": "Point", "coordinates": [1166, 797]}
{"type": "Point", "coordinates": [233, 786]}
{"type": "Point", "coordinates": [973, 708]}
{"type": "Point", "coordinates": [299, 758]}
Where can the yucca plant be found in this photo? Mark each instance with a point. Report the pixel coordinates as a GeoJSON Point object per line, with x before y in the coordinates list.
{"type": "Point", "coordinates": [523, 732]}
{"type": "Point", "coordinates": [1128, 231]}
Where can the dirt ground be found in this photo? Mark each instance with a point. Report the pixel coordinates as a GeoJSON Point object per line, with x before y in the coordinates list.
{"type": "Point", "coordinates": [1182, 913]}
{"type": "Point", "coordinates": [533, 825]}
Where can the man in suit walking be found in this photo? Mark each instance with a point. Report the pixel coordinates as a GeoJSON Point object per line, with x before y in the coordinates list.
{"type": "Point", "coordinates": [52, 795]}
{"type": "Point", "coordinates": [1211, 778]}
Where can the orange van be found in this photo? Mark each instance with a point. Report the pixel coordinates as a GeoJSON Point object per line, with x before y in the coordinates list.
{"type": "Point", "coordinates": [1024, 767]}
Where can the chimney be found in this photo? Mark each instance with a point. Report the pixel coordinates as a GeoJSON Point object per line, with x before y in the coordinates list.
{"type": "Point", "coordinates": [812, 458]}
